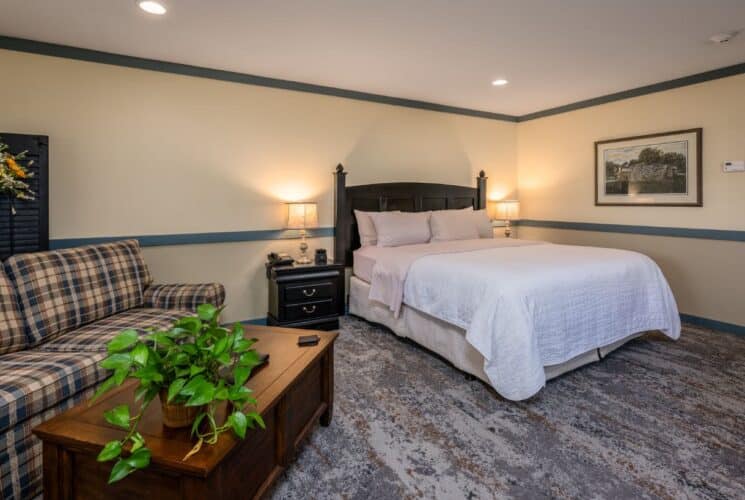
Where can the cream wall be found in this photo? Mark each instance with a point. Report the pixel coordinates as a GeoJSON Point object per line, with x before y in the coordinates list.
{"type": "Point", "coordinates": [555, 169]}
{"type": "Point", "coordinates": [136, 152]}
{"type": "Point", "coordinates": [556, 156]}
{"type": "Point", "coordinates": [239, 266]}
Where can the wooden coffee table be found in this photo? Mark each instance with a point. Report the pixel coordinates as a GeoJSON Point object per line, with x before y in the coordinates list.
{"type": "Point", "coordinates": [293, 390]}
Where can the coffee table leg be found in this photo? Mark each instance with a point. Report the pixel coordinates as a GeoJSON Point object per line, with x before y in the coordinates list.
{"type": "Point", "coordinates": [327, 368]}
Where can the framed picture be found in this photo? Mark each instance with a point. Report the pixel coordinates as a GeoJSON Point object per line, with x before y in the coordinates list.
{"type": "Point", "coordinates": [661, 170]}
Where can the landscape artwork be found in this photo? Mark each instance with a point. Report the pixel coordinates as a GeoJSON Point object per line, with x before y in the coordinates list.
{"type": "Point", "coordinates": [658, 169]}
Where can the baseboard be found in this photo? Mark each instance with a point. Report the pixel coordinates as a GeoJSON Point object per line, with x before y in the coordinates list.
{"type": "Point", "coordinates": [255, 321]}
{"type": "Point", "coordinates": [713, 324]}
{"type": "Point", "coordinates": [685, 318]}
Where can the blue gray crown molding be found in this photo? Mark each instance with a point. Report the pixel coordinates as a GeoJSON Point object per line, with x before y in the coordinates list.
{"type": "Point", "coordinates": [679, 232]}
{"type": "Point", "coordinates": [89, 55]}
{"type": "Point", "coordinates": [685, 81]}
{"type": "Point", "coordinates": [155, 240]}
{"type": "Point", "coordinates": [68, 52]}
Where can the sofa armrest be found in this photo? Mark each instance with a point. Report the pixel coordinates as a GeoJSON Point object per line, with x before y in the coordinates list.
{"type": "Point", "coordinates": [184, 296]}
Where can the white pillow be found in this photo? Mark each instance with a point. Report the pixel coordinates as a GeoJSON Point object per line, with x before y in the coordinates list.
{"type": "Point", "coordinates": [450, 225]}
{"type": "Point", "coordinates": [401, 228]}
{"type": "Point", "coordinates": [366, 228]}
{"type": "Point", "coordinates": [483, 224]}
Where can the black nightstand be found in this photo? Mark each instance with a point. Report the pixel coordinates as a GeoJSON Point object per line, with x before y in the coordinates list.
{"type": "Point", "coordinates": [306, 296]}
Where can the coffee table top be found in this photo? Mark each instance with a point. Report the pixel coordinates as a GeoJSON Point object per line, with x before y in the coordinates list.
{"type": "Point", "coordinates": [84, 426]}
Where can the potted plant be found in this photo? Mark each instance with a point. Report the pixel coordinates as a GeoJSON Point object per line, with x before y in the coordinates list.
{"type": "Point", "coordinates": [192, 368]}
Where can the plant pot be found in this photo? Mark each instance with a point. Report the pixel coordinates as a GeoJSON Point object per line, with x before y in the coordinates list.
{"type": "Point", "coordinates": [177, 415]}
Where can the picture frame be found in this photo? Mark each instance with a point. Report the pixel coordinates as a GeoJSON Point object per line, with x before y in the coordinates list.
{"type": "Point", "coordinates": [653, 170]}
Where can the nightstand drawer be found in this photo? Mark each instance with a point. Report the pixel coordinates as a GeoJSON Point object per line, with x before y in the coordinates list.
{"type": "Point", "coordinates": [306, 296]}
{"type": "Point", "coordinates": [312, 291]}
{"type": "Point", "coordinates": [309, 310]}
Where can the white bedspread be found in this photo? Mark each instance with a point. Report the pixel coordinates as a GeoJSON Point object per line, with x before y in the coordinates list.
{"type": "Point", "coordinates": [526, 305]}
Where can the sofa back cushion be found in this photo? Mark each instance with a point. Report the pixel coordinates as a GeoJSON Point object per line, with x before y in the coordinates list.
{"type": "Point", "coordinates": [12, 331]}
{"type": "Point", "coordinates": [61, 290]}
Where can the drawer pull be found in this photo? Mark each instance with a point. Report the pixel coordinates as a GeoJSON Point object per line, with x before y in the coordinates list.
{"type": "Point", "coordinates": [309, 310]}
{"type": "Point", "coordinates": [309, 294]}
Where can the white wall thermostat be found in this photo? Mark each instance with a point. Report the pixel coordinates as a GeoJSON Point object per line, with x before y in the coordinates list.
{"type": "Point", "coordinates": [734, 166]}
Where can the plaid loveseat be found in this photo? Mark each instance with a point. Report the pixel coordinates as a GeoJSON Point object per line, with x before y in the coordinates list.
{"type": "Point", "coordinates": [58, 310]}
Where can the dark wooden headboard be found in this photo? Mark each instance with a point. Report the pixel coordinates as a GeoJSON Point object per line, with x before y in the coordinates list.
{"type": "Point", "coordinates": [403, 196]}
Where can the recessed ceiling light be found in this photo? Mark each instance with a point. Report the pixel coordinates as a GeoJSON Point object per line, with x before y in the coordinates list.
{"type": "Point", "coordinates": [723, 37]}
{"type": "Point", "coordinates": [152, 7]}
{"type": "Point", "coordinates": [499, 82]}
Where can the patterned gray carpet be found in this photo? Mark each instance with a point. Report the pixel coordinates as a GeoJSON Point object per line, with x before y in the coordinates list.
{"type": "Point", "coordinates": [655, 419]}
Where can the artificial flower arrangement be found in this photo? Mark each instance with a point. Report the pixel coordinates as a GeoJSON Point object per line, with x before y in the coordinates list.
{"type": "Point", "coordinates": [14, 176]}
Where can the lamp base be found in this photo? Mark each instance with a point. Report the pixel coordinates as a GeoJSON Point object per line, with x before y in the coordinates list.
{"type": "Point", "coordinates": [303, 259]}
{"type": "Point", "coordinates": [507, 229]}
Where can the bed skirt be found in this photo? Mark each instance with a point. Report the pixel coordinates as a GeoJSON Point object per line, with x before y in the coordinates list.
{"type": "Point", "coordinates": [449, 341]}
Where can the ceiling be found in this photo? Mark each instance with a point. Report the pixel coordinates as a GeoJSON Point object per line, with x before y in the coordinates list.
{"type": "Point", "coordinates": [442, 51]}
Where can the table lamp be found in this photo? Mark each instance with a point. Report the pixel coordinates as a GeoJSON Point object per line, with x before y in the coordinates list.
{"type": "Point", "coordinates": [507, 210]}
{"type": "Point", "coordinates": [302, 216]}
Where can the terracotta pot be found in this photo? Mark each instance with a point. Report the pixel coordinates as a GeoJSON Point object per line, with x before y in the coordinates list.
{"type": "Point", "coordinates": [177, 415]}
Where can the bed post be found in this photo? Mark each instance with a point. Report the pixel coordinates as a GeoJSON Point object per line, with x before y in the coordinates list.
{"type": "Point", "coordinates": [340, 210]}
{"type": "Point", "coordinates": [481, 190]}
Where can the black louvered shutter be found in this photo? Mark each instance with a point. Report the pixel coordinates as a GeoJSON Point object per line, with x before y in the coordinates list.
{"type": "Point", "coordinates": [30, 225]}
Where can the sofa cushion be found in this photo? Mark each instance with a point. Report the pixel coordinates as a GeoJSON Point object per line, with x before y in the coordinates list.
{"type": "Point", "coordinates": [62, 290]}
{"type": "Point", "coordinates": [184, 296]}
{"type": "Point", "coordinates": [95, 336]}
{"type": "Point", "coordinates": [32, 381]}
{"type": "Point", "coordinates": [12, 332]}
{"type": "Point", "coordinates": [21, 460]}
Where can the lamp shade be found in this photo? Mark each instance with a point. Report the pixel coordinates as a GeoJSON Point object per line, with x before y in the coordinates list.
{"type": "Point", "coordinates": [302, 215]}
{"type": "Point", "coordinates": [507, 210]}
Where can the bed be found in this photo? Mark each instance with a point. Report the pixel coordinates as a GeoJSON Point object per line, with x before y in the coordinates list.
{"type": "Point", "coordinates": [514, 313]}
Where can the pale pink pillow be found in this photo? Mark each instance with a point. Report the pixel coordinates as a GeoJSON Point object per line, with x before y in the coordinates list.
{"type": "Point", "coordinates": [447, 225]}
{"type": "Point", "coordinates": [366, 228]}
{"type": "Point", "coordinates": [483, 224]}
{"type": "Point", "coordinates": [401, 228]}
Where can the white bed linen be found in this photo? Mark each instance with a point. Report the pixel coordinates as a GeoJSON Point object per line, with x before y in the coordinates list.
{"type": "Point", "coordinates": [525, 305]}
{"type": "Point", "coordinates": [363, 261]}
{"type": "Point", "coordinates": [449, 341]}
{"type": "Point", "coordinates": [392, 264]}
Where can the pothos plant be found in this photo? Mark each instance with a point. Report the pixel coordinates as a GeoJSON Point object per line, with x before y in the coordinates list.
{"type": "Point", "coordinates": [197, 363]}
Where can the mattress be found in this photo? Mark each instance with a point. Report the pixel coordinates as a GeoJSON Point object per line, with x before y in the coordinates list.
{"type": "Point", "coordinates": [364, 261]}
{"type": "Point", "coordinates": [527, 304]}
